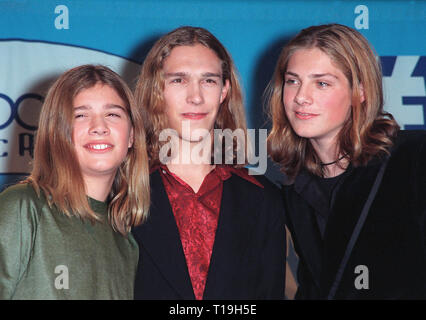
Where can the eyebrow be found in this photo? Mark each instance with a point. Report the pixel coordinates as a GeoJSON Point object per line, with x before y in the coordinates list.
{"type": "Point", "coordinates": [175, 74]}
{"type": "Point", "coordinates": [315, 75]}
{"type": "Point", "coordinates": [185, 74]}
{"type": "Point", "coordinates": [211, 74]}
{"type": "Point", "coordinates": [106, 106]}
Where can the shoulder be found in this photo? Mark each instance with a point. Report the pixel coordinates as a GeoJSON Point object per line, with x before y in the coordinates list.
{"type": "Point", "coordinates": [409, 135]}
{"type": "Point", "coordinates": [261, 190]}
{"type": "Point", "coordinates": [260, 182]}
{"type": "Point", "coordinates": [410, 140]}
{"type": "Point", "coordinates": [17, 193]}
{"type": "Point", "coordinates": [409, 148]}
{"type": "Point", "coordinates": [19, 221]}
{"type": "Point", "coordinates": [18, 201]}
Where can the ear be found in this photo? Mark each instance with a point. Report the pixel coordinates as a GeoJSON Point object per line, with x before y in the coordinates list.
{"type": "Point", "coordinates": [131, 138]}
{"type": "Point", "coordinates": [225, 90]}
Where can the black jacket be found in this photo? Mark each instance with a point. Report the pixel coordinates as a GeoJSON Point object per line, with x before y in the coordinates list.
{"type": "Point", "coordinates": [248, 257]}
{"type": "Point", "coordinates": [392, 242]}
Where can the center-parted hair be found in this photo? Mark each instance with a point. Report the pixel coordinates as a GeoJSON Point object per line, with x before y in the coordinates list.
{"type": "Point", "coordinates": [368, 132]}
{"type": "Point", "coordinates": [150, 87]}
{"type": "Point", "coordinates": [56, 168]}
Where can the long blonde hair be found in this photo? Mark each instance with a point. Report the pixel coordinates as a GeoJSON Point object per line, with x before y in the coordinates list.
{"type": "Point", "coordinates": [150, 86]}
{"type": "Point", "coordinates": [368, 132]}
{"type": "Point", "coordinates": [56, 169]}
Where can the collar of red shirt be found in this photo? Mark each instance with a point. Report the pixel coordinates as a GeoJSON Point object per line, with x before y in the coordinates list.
{"type": "Point", "coordinates": [223, 171]}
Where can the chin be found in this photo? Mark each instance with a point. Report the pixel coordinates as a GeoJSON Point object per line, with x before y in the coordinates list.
{"type": "Point", "coordinates": [194, 137]}
{"type": "Point", "coordinates": [102, 169]}
{"type": "Point", "coordinates": [304, 133]}
{"type": "Point", "coordinates": [191, 140]}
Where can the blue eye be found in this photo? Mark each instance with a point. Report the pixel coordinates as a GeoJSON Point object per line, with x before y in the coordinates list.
{"type": "Point", "coordinates": [323, 84]}
{"type": "Point", "coordinates": [290, 81]}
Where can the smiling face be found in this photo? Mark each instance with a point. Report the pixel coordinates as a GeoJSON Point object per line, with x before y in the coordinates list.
{"type": "Point", "coordinates": [193, 89]}
{"type": "Point", "coordinates": [102, 131]}
{"type": "Point", "coordinates": [317, 96]}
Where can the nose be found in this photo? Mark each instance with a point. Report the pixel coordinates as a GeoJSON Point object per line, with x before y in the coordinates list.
{"type": "Point", "coordinates": [303, 96]}
{"type": "Point", "coordinates": [194, 93]}
{"type": "Point", "coordinates": [98, 126]}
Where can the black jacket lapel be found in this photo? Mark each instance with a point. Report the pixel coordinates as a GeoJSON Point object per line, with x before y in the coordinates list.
{"type": "Point", "coordinates": [159, 236]}
{"type": "Point", "coordinates": [239, 207]}
{"type": "Point", "coordinates": [306, 237]}
{"type": "Point", "coordinates": [345, 213]}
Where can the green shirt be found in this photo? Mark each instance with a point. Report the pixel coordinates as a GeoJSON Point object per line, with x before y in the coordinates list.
{"type": "Point", "coordinates": [45, 254]}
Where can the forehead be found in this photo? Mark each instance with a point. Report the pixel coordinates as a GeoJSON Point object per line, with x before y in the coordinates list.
{"type": "Point", "coordinates": [313, 63]}
{"type": "Point", "coordinates": [312, 58]}
{"type": "Point", "coordinates": [99, 93]}
{"type": "Point", "coordinates": [192, 58]}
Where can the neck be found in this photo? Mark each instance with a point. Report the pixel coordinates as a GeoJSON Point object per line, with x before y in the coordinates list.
{"type": "Point", "coordinates": [98, 188]}
{"type": "Point", "coordinates": [192, 174]}
{"type": "Point", "coordinates": [335, 169]}
{"type": "Point", "coordinates": [192, 163]}
{"type": "Point", "coordinates": [332, 160]}
{"type": "Point", "coordinates": [326, 150]}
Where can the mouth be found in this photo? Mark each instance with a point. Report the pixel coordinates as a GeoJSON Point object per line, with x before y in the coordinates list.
{"type": "Point", "coordinates": [194, 115]}
{"type": "Point", "coordinates": [98, 147]}
{"type": "Point", "coordinates": [304, 115]}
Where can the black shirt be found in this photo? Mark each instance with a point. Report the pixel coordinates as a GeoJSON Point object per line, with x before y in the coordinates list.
{"type": "Point", "coordinates": [326, 187]}
{"type": "Point", "coordinates": [321, 194]}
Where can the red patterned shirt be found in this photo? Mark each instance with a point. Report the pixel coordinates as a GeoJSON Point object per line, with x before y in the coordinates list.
{"type": "Point", "coordinates": [196, 217]}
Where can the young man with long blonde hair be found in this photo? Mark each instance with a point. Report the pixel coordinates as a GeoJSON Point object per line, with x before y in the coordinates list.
{"type": "Point", "coordinates": [214, 232]}
{"type": "Point", "coordinates": [356, 203]}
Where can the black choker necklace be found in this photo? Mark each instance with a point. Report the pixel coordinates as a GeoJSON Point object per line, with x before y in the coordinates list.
{"type": "Point", "coordinates": [335, 161]}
